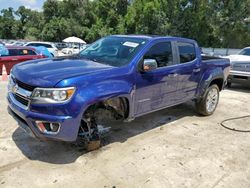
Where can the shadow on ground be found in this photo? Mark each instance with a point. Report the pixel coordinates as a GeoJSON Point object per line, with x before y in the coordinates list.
{"type": "Point", "coordinates": [64, 153]}
{"type": "Point", "coordinates": [240, 87]}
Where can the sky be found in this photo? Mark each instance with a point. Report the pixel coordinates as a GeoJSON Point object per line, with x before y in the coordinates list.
{"type": "Point", "coordinates": [32, 4]}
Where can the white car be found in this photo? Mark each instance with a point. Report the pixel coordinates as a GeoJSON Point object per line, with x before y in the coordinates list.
{"type": "Point", "coordinates": [70, 51]}
{"type": "Point", "coordinates": [243, 55]}
{"type": "Point", "coordinates": [240, 67]}
{"type": "Point", "coordinates": [73, 50]}
{"type": "Point", "coordinates": [50, 46]}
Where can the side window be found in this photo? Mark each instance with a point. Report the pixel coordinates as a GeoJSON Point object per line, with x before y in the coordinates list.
{"type": "Point", "coordinates": [31, 52]}
{"type": "Point", "coordinates": [162, 53]}
{"type": "Point", "coordinates": [186, 51]}
{"type": "Point", "coordinates": [13, 52]}
{"type": "Point", "coordinates": [26, 52]}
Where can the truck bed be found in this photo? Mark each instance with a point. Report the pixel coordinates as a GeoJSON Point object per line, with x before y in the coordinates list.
{"type": "Point", "coordinates": [205, 57]}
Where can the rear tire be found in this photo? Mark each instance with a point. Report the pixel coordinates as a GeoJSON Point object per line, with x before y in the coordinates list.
{"type": "Point", "coordinates": [207, 105]}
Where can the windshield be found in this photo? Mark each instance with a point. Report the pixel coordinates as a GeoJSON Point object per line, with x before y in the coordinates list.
{"type": "Point", "coordinates": [245, 51]}
{"type": "Point", "coordinates": [114, 51]}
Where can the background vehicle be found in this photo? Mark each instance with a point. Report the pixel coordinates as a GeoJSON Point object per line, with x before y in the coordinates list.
{"type": "Point", "coordinates": [240, 67]}
{"type": "Point", "coordinates": [116, 78]}
{"type": "Point", "coordinates": [50, 46]}
{"type": "Point", "coordinates": [17, 43]}
{"type": "Point", "coordinates": [243, 55]}
{"type": "Point", "coordinates": [245, 51]}
{"type": "Point", "coordinates": [61, 45]}
{"type": "Point", "coordinates": [73, 50]}
{"type": "Point", "coordinates": [17, 54]}
{"type": "Point", "coordinates": [239, 73]}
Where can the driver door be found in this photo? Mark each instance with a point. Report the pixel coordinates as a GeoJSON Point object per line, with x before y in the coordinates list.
{"type": "Point", "coordinates": [156, 88]}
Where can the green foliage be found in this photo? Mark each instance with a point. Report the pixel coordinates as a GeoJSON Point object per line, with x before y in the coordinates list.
{"type": "Point", "coordinates": [212, 23]}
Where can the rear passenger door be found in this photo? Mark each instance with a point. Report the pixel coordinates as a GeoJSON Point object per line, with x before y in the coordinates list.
{"type": "Point", "coordinates": [187, 71]}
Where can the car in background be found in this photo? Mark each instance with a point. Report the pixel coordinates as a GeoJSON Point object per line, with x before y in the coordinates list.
{"type": "Point", "coordinates": [245, 51]}
{"type": "Point", "coordinates": [240, 67]}
{"type": "Point", "coordinates": [61, 45]}
{"type": "Point", "coordinates": [70, 51]}
{"type": "Point", "coordinates": [18, 54]}
{"type": "Point", "coordinates": [49, 45]}
{"type": "Point", "coordinates": [242, 55]}
{"type": "Point", "coordinates": [15, 43]}
{"type": "Point", "coordinates": [73, 50]}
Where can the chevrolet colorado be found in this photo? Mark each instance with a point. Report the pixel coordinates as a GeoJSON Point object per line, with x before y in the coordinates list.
{"type": "Point", "coordinates": [118, 77]}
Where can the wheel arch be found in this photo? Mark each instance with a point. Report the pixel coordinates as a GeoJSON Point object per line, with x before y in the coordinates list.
{"type": "Point", "coordinates": [211, 76]}
{"type": "Point", "coordinates": [218, 81]}
{"type": "Point", "coordinates": [118, 102]}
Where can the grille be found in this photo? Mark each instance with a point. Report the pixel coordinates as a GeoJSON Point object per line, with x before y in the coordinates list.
{"type": "Point", "coordinates": [241, 77]}
{"type": "Point", "coordinates": [244, 67]}
{"type": "Point", "coordinates": [25, 86]}
{"type": "Point", "coordinates": [22, 100]}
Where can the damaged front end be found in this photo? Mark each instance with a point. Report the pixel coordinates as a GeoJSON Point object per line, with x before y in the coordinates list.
{"type": "Point", "coordinates": [96, 121]}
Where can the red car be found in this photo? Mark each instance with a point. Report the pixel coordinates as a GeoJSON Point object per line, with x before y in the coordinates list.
{"type": "Point", "coordinates": [18, 54]}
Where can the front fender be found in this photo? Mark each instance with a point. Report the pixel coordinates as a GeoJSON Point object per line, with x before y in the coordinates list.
{"type": "Point", "coordinates": [106, 89]}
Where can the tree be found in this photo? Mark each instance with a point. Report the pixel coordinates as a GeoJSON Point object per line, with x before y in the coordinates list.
{"type": "Point", "coordinates": [7, 23]}
{"type": "Point", "coordinates": [212, 23]}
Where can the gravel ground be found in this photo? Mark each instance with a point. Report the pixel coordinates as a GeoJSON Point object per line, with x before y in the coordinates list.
{"type": "Point", "coordinates": [170, 148]}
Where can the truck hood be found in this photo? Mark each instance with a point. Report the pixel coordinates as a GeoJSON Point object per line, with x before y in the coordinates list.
{"type": "Point", "coordinates": [48, 72]}
{"type": "Point", "coordinates": [238, 58]}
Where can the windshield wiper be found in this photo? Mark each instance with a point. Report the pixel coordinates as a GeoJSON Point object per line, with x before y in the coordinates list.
{"type": "Point", "coordinates": [93, 59]}
{"type": "Point", "coordinates": [88, 58]}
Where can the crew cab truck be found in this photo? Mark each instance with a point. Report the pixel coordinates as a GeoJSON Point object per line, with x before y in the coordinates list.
{"type": "Point", "coordinates": [118, 77]}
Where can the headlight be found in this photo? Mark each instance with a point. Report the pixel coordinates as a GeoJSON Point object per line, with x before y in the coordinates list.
{"type": "Point", "coordinates": [52, 95]}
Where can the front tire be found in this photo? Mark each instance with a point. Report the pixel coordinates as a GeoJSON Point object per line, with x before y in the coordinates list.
{"type": "Point", "coordinates": [207, 105]}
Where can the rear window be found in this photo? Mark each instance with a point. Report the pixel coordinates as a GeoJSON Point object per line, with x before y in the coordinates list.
{"type": "Point", "coordinates": [186, 52]}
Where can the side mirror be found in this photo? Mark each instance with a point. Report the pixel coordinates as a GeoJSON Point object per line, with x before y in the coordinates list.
{"type": "Point", "coordinates": [149, 64]}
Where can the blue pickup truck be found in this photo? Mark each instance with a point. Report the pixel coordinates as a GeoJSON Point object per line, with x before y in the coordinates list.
{"type": "Point", "coordinates": [118, 77]}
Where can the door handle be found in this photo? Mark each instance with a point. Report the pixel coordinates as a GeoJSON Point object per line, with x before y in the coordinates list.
{"type": "Point", "coordinates": [14, 59]}
{"type": "Point", "coordinates": [197, 70]}
{"type": "Point", "coordinates": [172, 75]}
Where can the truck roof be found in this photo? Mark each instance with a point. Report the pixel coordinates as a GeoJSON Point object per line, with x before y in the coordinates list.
{"type": "Point", "coordinates": [152, 37]}
{"type": "Point", "coordinates": [20, 47]}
